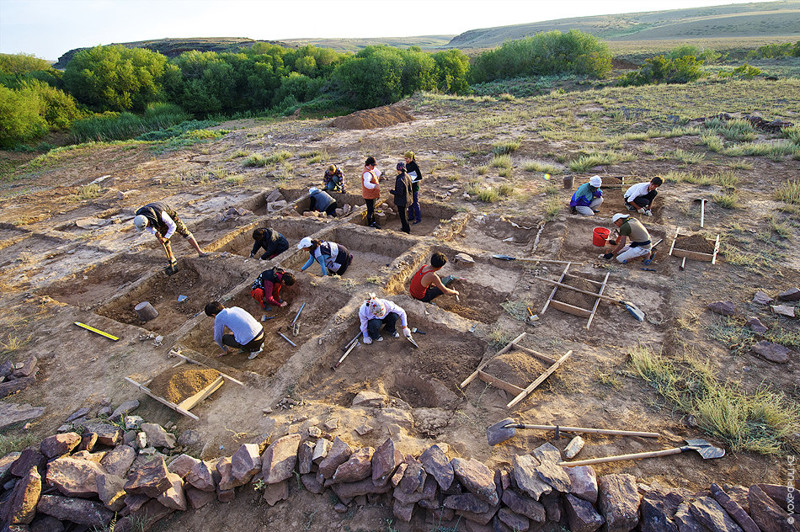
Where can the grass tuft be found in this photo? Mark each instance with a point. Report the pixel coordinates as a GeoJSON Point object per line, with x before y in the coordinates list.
{"type": "Point", "coordinates": [504, 148]}
{"type": "Point", "coordinates": [789, 192]}
{"type": "Point", "coordinates": [501, 161]}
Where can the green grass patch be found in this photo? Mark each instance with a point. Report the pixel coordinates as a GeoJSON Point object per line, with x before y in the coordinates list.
{"type": "Point", "coordinates": [504, 148]}
{"type": "Point", "coordinates": [257, 159]}
{"type": "Point", "coordinates": [726, 179]}
{"type": "Point", "coordinates": [726, 200]}
{"type": "Point", "coordinates": [501, 161]}
{"type": "Point", "coordinates": [789, 192]}
{"type": "Point", "coordinates": [539, 166]}
{"type": "Point", "coordinates": [734, 130]}
{"type": "Point", "coordinates": [588, 161]}
{"type": "Point", "coordinates": [552, 208]}
{"type": "Point", "coordinates": [776, 151]}
{"type": "Point", "coordinates": [10, 444]}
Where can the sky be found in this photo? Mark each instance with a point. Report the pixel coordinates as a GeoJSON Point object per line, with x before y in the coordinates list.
{"type": "Point", "coordinates": [49, 28]}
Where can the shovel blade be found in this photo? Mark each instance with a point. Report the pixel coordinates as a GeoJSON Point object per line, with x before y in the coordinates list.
{"type": "Point", "coordinates": [634, 310]}
{"type": "Point", "coordinates": [501, 431]}
{"type": "Point", "coordinates": [503, 257]}
{"type": "Point", "coordinates": [706, 450]}
{"type": "Point", "coordinates": [171, 269]}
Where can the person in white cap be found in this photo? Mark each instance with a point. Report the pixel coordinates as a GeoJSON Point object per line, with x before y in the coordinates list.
{"type": "Point", "coordinates": [162, 221]}
{"type": "Point", "coordinates": [322, 201]}
{"type": "Point", "coordinates": [378, 313]}
{"type": "Point", "coordinates": [587, 199]}
{"type": "Point", "coordinates": [640, 246]}
{"type": "Point", "coordinates": [332, 257]}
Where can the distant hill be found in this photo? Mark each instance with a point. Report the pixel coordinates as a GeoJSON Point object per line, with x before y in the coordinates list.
{"type": "Point", "coordinates": [759, 19]}
{"type": "Point", "coordinates": [426, 42]}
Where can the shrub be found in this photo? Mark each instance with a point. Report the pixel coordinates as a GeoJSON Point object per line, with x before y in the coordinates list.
{"type": "Point", "coordinates": [503, 148]}
{"type": "Point", "coordinates": [20, 117]}
{"type": "Point", "coordinates": [706, 56]}
{"type": "Point", "coordinates": [737, 129]}
{"type": "Point", "coordinates": [744, 71]}
{"type": "Point", "coordinates": [662, 70]}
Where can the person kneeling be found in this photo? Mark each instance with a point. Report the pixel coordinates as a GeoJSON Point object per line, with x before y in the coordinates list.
{"type": "Point", "coordinates": [640, 245]}
{"type": "Point", "coordinates": [375, 314]}
{"type": "Point", "coordinates": [267, 287]}
{"type": "Point", "coordinates": [247, 333]}
{"type": "Point", "coordinates": [426, 284]}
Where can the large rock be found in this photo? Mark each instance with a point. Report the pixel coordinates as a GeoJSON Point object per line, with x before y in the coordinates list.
{"type": "Point", "coordinates": [618, 499]}
{"type": "Point", "coordinates": [111, 490]}
{"type": "Point", "coordinates": [202, 477]}
{"type": "Point", "coordinates": [725, 308]}
{"type": "Point", "coordinates": [184, 463]}
{"type": "Point", "coordinates": [581, 515]}
{"type": "Point", "coordinates": [466, 502]}
{"type": "Point", "coordinates": [107, 434]}
{"type": "Point", "coordinates": [349, 490]}
{"type": "Point", "coordinates": [357, 467]}
{"type": "Point", "coordinates": [781, 310]}
{"type": "Point", "coordinates": [338, 454]}
{"type": "Point", "coordinates": [225, 473]}
{"type": "Point", "coordinates": [274, 493]}
{"type": "Point", "coordinates": [792, 294]}
{"type": "Point", "coordinates": [686, 521]}
{"type": "Point", "coordinates": [547, 452]}
{"type": "Point", "coordinates": [413, 477]}
{"type": "Point", "coordinates": [174, 497]}
{"type": "Point", "coordinates": [555, 475]}
{"type": "Point", "coordinates": [369, 399]}
{"type": "Point", "coordinates": [79, 511]}
{"type": "Point", "coordinates": [151, 512]}
{"type": "Point", "coordinates": [157, 436]}
{"type": "Point", "coordinates": [762, 298]}
{"type": "Point", "coordinates": [756, 325]}
{"type": "Point", "coordinates": [311, 483]}
{"type": "Point", "coordinates": [74, 477]}
{"type": "Point", "coordinates": [427, 493]}
{"type": "Point", "coordinates": [321, 449]}
{"type": "Point", "coordinates": [574, 447]}
{"type": "Point", "coordinates": [477, 478]}
{"type": "Point", "coordinates": [524, 505]}
{"type": "Point", "coordinates": [403, 512]}
{"type": "Point", "coordinates": [150, 479]}
{"type": "Point", "coordinates": [28, 368]}
{"type": "Point", "coordinates": [657, 510]}
{"type": "Point", "coordinates": [437, 464]}
{"type": "Point", "coordinates": [28, 458]}
{"type": "Point", "coordinates": [385, 462]}
{"type": "Point", "coordinates": [305, 457]}
{"type": "Point", "coordinates": [777, 492]}
{"type": "Point", "coordinates": [46, 523]}
{"type": "Point", "coordinates": [12, 413]}
{"type": "Point", "coordinates": [527, 478]}
{"type": "Point", "coordinates": [583, 482]}
{"type": "Point", "coordinates": [766, 513]}
{"type": "Point", "coordinates": [198, 498]}
{"type": "Point", "coordinates": [22, 507]}
{"type": "Point", "coordinates": [119, 460]}
{"type": "Point", "coordinates": [711, 515]}
{"type": "Point", "coordinates": [124, 409]}
{"type": "Point", "coordinates": [512, 520]}
{"type": "Point", "coordinates": [733, 509]}
{"type": "Point", "coordinates": [17, 385]}
{"type": "Point", "coordinates": [552, 506]}
{"type": "Point", "coordinates": [245, 463]}
{"type": "Point", "coordinates": [190, 438]}
{"type": "Point", "coordinates": [279, 459]}
{"type": "Point", "coordinates": [772, 352]}
{"type": "Point", "coordinates": [59, 444]}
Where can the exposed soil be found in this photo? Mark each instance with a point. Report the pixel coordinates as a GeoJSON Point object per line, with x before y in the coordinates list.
{"type": "Point", "coordinates": [515, 367]}
{"type": "Point", "coordinates": [577, 299]}
{"type": "Point", "coordinates": [373, 118]}
{"type": "Point", "coordinates": [180, 383]}
{"type": "Point", "coordinates": [694, 243]}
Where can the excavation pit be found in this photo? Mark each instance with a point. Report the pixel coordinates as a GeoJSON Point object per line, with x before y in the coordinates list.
{"type": "Point", "coordinates": [29, 248]}
{"type": "Point", "coordinates": [353, 200]}
{"type": "Point", "coordinates": [67, 217]}
{"type": "Point", "coordinates": [500, 234]}
{"type": "Point", "coordinates": [414, 390]}
{"type": "Point", "coordinates": [213, 229]}
{"type": "Point", "coordinates": [201, 280]}
{"type": "Point", "coordinates": [433, 214]}
{"type": "Point", "coordinates": [258, 203]}
{"type": "Point", "coordinates": [101, 282]}
{"type": "Point", "coordinates": [293, 229]}
{"type": "Point", "coordinates": [614, 199]}
{"type": "Point", "coordinates": [475, 302]}
{"type": "Point", "coordinates": [320, 305]}
{"type": "Point", "coordinates": [577, 234]}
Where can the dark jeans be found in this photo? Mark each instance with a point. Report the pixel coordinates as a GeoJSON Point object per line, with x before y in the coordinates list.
{"type": "Point", "coordinates": [401, 212]}
{"type": "Point", "coordinates": [374, 325]}
{"type": "Point", "coordinates": [370, 211]}
{"type": "Point", "coordinates": [254, 344]}
{"type": "Point", "coordinates": [646, 200]}
{"type": "Point", "coordinates": [413, 209]}
{"type": "Point", "coordinates": [343, 267]}
{"type": "Point", "coordinates": [431, 293]}
{"type": "Point", "coordinates": [275, 248]}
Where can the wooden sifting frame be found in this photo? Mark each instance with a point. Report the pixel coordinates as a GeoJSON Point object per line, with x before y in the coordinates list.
{"type": "Point", "coordinates": [694, 255]}
{"type": "Point", "coordinates": [519, 393]}
{"type": "Point", "coordinates": [572, 309]}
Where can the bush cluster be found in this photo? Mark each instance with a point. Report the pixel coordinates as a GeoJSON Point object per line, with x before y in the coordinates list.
{"type": "Point", "coordinates": [661, 69]}
{"type": "Point", "coordinates": [772, 51]}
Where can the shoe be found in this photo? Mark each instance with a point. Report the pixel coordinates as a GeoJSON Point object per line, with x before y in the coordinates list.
{"type": "Point", "coordinates": [415, 222]}
{"type": "Point", "coordinates": [395, 334]}
{"type": "Point", "coordinates": [379, 339]}
{"type": "Point", "coordinates": [642, 210]}
{"type": "Point", "coordinates": [630, 207]}
{"type": "Point", "coordinates": [254, 354]}
{"type": "Point", "coordinates": [648, 213]}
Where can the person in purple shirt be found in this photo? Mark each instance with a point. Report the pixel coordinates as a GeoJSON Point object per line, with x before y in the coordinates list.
{"type": "Point", "coordinates": [246, 333]}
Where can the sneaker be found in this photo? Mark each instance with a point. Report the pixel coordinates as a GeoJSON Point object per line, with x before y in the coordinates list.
{"type": "Point", "coordinates": [415, 222]}
{"type": "Point", "coordinates": [642, 210]}
{"type": "Point", "coordinates": [395, 334]}
{"type": "Point", "coordinates": [254, 354]}
{"type": "Point", "coordinates": [379, 339]}
{"type": "Point", "coordinates": [648, 213]}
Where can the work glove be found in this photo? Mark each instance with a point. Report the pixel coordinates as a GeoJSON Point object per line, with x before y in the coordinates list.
{"type": "Point", "coordinates": [406, 332]}
{"type": "Point", "coordinates": [367, 340]}
{"type": "Point", "coordinates": [648, 212]}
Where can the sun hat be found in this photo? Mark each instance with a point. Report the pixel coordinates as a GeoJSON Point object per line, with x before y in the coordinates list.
{"type": "Point", "coordinates": [140, 221]}
{"type": "Point", "coordinates": [619, 216]}
{"type": "Point", "coordinates": [313, 190]}
{"type": "Point", "coordinates": [304, 243]}
{"type": "Point", "coordinates": [595, 181]}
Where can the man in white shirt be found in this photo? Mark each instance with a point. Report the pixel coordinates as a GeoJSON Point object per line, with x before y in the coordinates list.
{"type": "Point", "coordinates": [640, 196]}
{"type": "Point", "coordinates": [248, 334]}
{"type": "Point", "coordinates": [161, 220]}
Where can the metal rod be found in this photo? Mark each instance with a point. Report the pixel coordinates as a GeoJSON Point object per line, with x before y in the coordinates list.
{"type": "Point", "coordinates": [298, 313]}
{"type": "Point", "coordinates": [285, 338]}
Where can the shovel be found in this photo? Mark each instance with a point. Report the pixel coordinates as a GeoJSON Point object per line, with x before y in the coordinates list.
{"type": "Point", "coordinates": [630, 307]}
{"type": "Point", "coordinates": [507, 428]}
{"type": "Point", "coordinates": [506, 257]}
{"type": "Point", "coordinates": [706, 450]}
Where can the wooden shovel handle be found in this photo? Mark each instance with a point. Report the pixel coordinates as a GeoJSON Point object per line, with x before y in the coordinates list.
{"type": "Point", "coordinates": [607, 298]}
{"type": "Point", "coordinates": [586, 430]}
{"type": "Point", "coordinates": [618, 458]}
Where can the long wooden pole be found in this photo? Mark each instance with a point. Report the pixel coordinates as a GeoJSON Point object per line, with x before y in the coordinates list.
{"type": "Point", "coordinates": [586, 430]}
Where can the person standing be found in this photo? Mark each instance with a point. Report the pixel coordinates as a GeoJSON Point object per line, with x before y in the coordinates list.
{"type": "Point", "coordinates": [333, 180]}
{"type": "Point", "coordinates": [162, 221]}
{"type": "Point", "coordinates": [267, 287]}
{"type": "Point", "coordinates": [322, 201]}
{"type": "Point", "coordinates": [587, 199]}
{"type": "Point", "coordinates": [640, 196]}
{"type": "Point", "coordinates": [246, 333]}
{"type": "Point", "coordinates": [375, 314]}
{"type": "Point", "coordinates": [370, 189]}
{"type": "Point", "coordinates": [272, 241]}
{"type": "Point", "coordinates": [402, 193]}
{"type": "Point", "coordinates": [426, 284]}
{"type": "Point", "coordinates": [413, 171]}
{"type": "Point", "coordinates": [640, 245]}
{"type": "Point", "coordinates": [332, 257]}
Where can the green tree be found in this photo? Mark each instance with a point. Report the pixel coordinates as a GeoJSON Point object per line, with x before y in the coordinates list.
{"type": "Point", "coordinates": [452, 68]}
{"type": "Point", "coordinates": [373, 76]}
{"type": "Point", "coordinates": [20, 116]}
{"type": "Point", "coordinates": [117, 78]}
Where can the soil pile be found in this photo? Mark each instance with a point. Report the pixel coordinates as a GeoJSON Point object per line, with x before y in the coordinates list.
{"type": "Point", "coordinates": [178, 384]}
{"type": "Point", "coordinates": [385, 116]}
{"type": "Point", "coordinates": [576, 299]}
{"type": "Point", "coordinates": [694, 243]}
{"type": "Point", "coordinates": [515, 367]}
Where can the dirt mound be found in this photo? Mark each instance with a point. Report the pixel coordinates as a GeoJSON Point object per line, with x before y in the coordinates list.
{"type": "Point", "coordinates": [694, 243]}
{"type": "Point", "coordinates": [178, 384]}
{"type": "Point", "coordinates": [517, 368]}
{"type": "Point", "coordinates": [576, 299]}
{"type": "Point", "coordinates": [385, 116]}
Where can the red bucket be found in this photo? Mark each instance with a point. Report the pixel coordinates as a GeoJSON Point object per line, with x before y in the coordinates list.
{"type": "Point", "coordinates": [599, 236]}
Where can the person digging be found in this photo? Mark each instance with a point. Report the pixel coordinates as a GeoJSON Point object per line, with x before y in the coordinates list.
{"type": "Point", "coordinates": [162, 221]}
{"type": "Point", "coordinates": [426, 284]}
{"type": "Point", "coordinates": [266, 289]}
{"type": "Point", "coordinates": [640, 196]}
{"type": "Point", "coordinates": [640, 246]}
{"type": "Point", "coordinates": [321, 201]}
{"type": "Point", "coordinates": [376, 313]}
{"type": "Point", "coordinates": [333, 258]}
{"type": "Point", "coordinates": [272, 241]}
{"type": "Point", "coordinates": [246, 333]}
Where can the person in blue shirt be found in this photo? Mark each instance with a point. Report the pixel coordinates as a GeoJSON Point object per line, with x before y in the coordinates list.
{"type": "Point", "coordinates": [332, 257]}
{"type": "Point", "coordinates": [587, 199]}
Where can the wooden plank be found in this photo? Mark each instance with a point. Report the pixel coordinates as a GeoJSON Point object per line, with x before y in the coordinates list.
{"type": "Point", "coordinates": [202, 395]}
{"type": "Point", "coordinates": [569, 309]}
{"type": "Point", "coordinates": [161, 400]}
{"type": "Point", "coordinates": [553, 292]}
{"type": "Point", "coordinates": [597, 301]}
{"type": "Point", "coordinates": [716, 249]}
{"type": "Point", "coordinates": [694, 255]}
{"type": "Point", "coordinates": [535, 354]}
{"type": "Point", "coordinates": [483, 364]}
{"type": "Point", "coordinates": [540, 380]}
{"type": "Point", "coordinates": [673, 240]}
{"type": "Point", "coordinates": [499, 383]}
{"type": "Point", "coordinates": [178, 354]}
